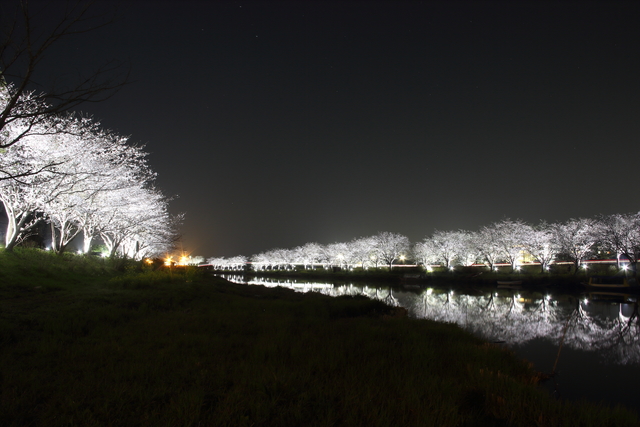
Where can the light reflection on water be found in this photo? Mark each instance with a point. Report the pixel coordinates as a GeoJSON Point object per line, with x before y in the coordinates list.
{"type": "Point", "coordinates": [600, 334]}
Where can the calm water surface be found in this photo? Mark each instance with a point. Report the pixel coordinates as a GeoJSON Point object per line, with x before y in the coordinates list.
{"type": "Point", "coordinates": [592, 339]}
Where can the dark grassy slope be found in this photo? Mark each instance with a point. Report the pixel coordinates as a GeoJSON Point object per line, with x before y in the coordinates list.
{"type": "Point", "coordinates": [83, 344]}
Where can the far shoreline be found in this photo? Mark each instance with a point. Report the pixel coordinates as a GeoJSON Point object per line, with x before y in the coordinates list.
{"type": "Point", "coordinates": [462, 279]}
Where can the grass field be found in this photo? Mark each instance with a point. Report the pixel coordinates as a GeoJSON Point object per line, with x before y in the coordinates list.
{"type": "Point", "coordinates": [92, 342]}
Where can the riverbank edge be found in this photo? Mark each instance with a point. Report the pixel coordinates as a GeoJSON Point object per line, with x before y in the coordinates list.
{"type": "Point", "coordinates": [532, 282]}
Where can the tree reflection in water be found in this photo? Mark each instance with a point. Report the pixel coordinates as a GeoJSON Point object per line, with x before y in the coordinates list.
{"type": "Point", "coordinates": [609, 327]}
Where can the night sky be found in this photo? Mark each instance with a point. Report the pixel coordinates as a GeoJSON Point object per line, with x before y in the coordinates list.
{"type": "Point", "coordinates": [282, 123]}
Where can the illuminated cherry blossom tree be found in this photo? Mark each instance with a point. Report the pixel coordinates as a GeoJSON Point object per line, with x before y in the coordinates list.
{"type": "Point", "coordinates": [136, 215]}
{"type": "Point", "coordinates": [155, 232]}
{"type": "Point", "coordinates": [26, 194]}
{"type": "Point", "coordinates": [541, 243]}
{"type": "Point", "coordinates": [275, 258]}
{"type": "Point", "coordinates": [450, 247]}
{"type": "Point", "coordinates": [361, 250]}
{"type": "Point", "coordinates": [621, 233]}
{"type": "Point", "coordinates": [486, 241]}
{"type": "Point", "coordinates": [468, 253]}
{"type": "Point", "coordinates": [575, 239]}
{"type": "Point", "coordinates": [22, 200]}
{"type": "Point", "coordinates": [117, 169]}
{"type": "Point", "coordinates": [425, 252]}
{"type": "Point", "coordinates": [509, 237]}
{"type": "Point", "coordinates": [21, 208]}
{"type": "Point", "coordinates": [260, 261]}
{"type": "Point", "coordinates": [237, 262]}
{"type": "Point", "coordinates": [308, 255]}
{"type": "Point", "coordinates": [390, 246]}
{"type": "Point", "coordinates": [338, 254]}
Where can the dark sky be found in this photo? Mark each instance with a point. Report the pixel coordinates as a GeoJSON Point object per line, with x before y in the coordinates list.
{"type": "Point", "coordinates": [282, 123]}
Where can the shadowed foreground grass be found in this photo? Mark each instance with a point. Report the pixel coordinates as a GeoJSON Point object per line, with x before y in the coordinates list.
{"type": "Point", "coordinates": [149, 348]}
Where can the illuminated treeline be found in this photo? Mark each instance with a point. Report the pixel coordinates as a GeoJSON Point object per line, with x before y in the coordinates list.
{"type": "Point", "coordinates": [81, 180]}
{"type": "Point", "coordinates": [506, 241]}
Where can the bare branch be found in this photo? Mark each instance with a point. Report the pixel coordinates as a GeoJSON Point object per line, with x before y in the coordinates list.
{"type": "Point", "coordinates": [22, 50]}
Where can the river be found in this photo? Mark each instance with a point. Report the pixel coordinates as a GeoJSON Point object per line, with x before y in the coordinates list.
{"type": "Point", "coordinates": [592, 339]}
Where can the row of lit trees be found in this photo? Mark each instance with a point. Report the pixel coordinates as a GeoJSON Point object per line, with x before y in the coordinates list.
{"type": "Point", "coordinates": [82, 180]}
{"type": "Point", "coordinates": [506, 241]}
{"type": "Point", "coordinates": [382, 249]}
{"type": "Point", "coordinates": [62, 169]}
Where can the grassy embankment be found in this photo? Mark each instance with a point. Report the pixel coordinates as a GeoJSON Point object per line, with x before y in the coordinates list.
{"type": "Point", "coordinates": [84, 344]}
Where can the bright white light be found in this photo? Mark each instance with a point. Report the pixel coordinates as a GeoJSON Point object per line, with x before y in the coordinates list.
{"type": "Point", "coordinates": [625, 267]}
{"type": "Point", "coordinates": [104, 254]}
{"type": "Point", "coordinates": [429, 291]}
{"type": "Point", "coordinates": [79, 252]}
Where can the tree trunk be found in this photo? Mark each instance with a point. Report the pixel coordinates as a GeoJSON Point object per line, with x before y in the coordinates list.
{"type": "Point", "coordinates": [86, 243]}
{"type": "Point", "coordinates": [54, 240]}
{"type": "Point", "coordinates": [15, 229]}
{"type": "Point", "coordinates": [11, 235]}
